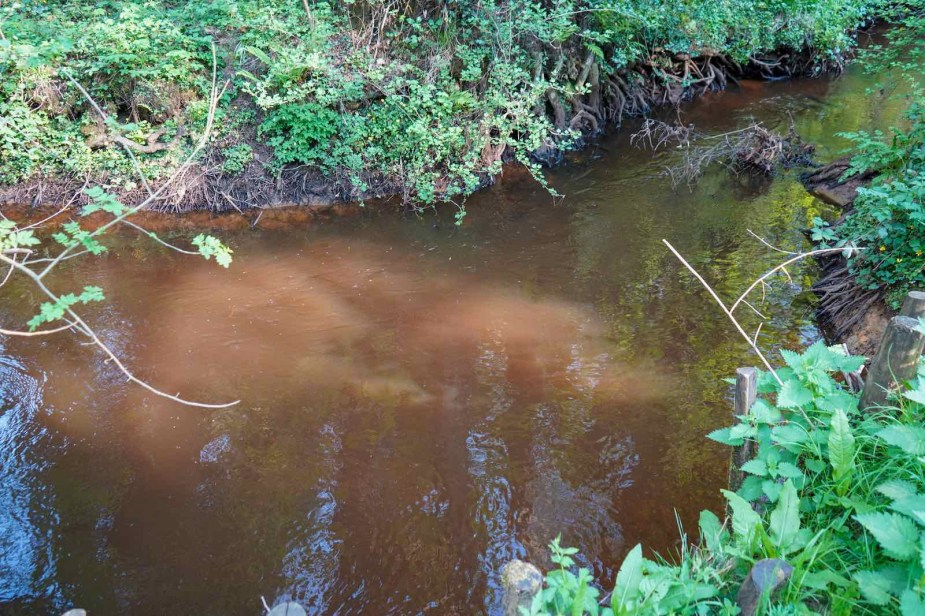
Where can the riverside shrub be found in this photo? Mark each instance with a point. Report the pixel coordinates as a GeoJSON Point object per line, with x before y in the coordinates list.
{"type": "Point", "coordinates": [837, 494]}
{"type": "Point", "coordinates": [423, 96]}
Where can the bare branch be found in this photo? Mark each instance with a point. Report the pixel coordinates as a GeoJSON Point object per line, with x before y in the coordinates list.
{"type": "Point", "coordinates": [76, 322]}
{"type": "Point", "coordinates": [728, 312]}
{"type": "Point", "coordinates": [44, 332]}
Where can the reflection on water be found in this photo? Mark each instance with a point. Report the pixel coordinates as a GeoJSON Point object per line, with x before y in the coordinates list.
{"type": "Point", "coordinates": [420, 404]}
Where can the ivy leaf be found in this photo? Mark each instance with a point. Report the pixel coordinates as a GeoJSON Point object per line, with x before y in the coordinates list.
{"type": "Point", "coordinates": [896, 534]}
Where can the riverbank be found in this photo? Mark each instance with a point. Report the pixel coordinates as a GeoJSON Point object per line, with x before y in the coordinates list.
{"type": "Point", "coordinates": [847, 312]}
{"type": "Point", "coordinates": [338, 102]}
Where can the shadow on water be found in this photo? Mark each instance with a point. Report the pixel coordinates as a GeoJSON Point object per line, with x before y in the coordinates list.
{"type": "Point", "coordinates": [419, 403]}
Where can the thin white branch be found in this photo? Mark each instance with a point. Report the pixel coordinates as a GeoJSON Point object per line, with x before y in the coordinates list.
{"type": "Point", "coordinates": [728, 312]}
{"type": "Point", "coordinates": [783, 266]}
{"type": "Point", "coordinates": [766, 243]}
{"type": "Point", "coordinates": [95, 339]}
{"type": "Point", "coordinates": [44, 332]}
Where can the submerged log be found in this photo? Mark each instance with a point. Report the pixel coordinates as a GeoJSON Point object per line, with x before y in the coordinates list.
{"type": "Point", "coordinates": [828, 184]}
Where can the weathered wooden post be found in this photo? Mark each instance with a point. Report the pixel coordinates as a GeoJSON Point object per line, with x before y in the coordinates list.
{"type": "Point", "coordinates": [745, 395]}
{"type": "Point", "coordinates": [896, 361]}
{"type": "Point", "coordinates": [914, 305]}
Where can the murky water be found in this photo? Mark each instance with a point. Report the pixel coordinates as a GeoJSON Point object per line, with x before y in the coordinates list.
{"type": "Point", "coordinates": [420, 403]}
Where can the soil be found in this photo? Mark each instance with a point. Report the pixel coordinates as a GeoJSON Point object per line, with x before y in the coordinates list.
{"type": "Point", "coordinates": [660, 81]}
{"type": "Point", "coordinates": [846, 312]}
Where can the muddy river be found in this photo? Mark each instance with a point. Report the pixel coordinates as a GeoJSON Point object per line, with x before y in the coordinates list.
{"type": "Point", "coordinates": [420, 403]}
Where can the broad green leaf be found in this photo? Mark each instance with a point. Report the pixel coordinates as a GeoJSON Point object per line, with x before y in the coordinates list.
{"type": "Point", "coordinates": [793, 395]}
{"type": "Point", "coordinates": [874, 586]}
{"type": "Point", "coordinates": [789, 436]}
{"type": "Point", "coordinates": [756, 467]}
{"type": "Point", "coordinates": [711, 531]}
{"type": "Point", "coordinates": [841, 448]}
{"type": "Point", "coordinates": [788, 470]}
{"type": "Point", "coordinates": [897, 489]}
{"type": "Point", "coordinates": [896, 534]}
{"type": "Point", "coordinates": [723, 436]}
{"type": "Point", "coordinates": [102, 200]}
{"type": "Point", "coordinates": [745, 522]}
{"type": "Point", "coordinates": [629, 579]}
{"type": "Point", "coordinates": [916, 395]}
{"type": "Point", "coordinates": [210, 246]}
{"type": "Point", "coordinates": [911, 603]}
{"type": "Point", "coordinates": [785, 519]}
{"type": "Point", "coordinates": [910, 439]}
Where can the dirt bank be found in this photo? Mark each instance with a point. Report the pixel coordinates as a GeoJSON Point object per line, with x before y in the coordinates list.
{"type": "Point", "coordinates": [846, 311]}
{"type": "Point", "coordinates": [600, 102]}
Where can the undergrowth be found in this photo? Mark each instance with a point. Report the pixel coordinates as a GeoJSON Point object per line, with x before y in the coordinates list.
{"type": "Point", "coordinates": [888, 215]}
{"type": "Point", "coordinates": [837, 494]}
{"type": "Point", "coordinates": [421, 98]}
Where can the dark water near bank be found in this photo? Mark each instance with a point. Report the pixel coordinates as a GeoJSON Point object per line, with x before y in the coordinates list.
{"type": "Point", "coordinates": [420, 404]}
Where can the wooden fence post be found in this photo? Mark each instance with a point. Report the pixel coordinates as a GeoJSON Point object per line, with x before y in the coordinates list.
{"type": "Point", "coordinates": [745, 395]}
{"type": "Point", "coordinates": [914, 305]}
{"type": "Point", "coordinates": [896, 361]}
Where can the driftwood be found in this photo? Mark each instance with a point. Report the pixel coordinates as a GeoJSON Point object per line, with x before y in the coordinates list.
{"type": "Point", "coordinates": [102, 138]}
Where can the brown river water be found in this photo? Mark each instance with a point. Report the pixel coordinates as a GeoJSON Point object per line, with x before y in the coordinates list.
{"type": "Point", "coordinates": [419, 403]}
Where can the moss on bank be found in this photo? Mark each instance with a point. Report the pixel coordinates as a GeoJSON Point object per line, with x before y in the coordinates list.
{"type": "Point", "coordinates": [341, 101]}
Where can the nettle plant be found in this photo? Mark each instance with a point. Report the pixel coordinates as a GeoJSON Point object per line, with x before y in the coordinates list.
{"type": "Point", "coordinates": [26, 251]}
{"type": "Point", "coordinates": [837, 494]}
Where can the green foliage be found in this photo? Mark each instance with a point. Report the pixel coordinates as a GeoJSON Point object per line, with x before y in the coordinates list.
{"type": "Point", "coordinates": [54, 310]}
{"type": "Point", "coordinates": [237, 157]}
{"type": "Point", "coordinates": [838, 494]}
{"type": "Point", "coordinates": [420, 97]}
{"type": "Point", "coordinates": [888, 218]}
{"type": "Point", "coordinates": [210, 246]}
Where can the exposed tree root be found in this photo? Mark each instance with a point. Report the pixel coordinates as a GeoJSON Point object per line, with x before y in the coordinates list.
{"type": "Point", "coordinates": [845, 307]}
{"type": "Point", "coordinates": [753, 149]}
{"type": "Point", "coordinates": [593, 100]}
{"type": "Point", "coordinates": [842, 301]}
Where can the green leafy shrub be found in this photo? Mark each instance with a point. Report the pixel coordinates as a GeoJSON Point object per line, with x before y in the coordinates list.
{"type": "Point", "coordinates": [837, 494]}
{"type": "Point", "coordinates": [422, 98]}
{"type": "Point", "coordinates": [237, 157]}
{"type": "Point", "coordinates": [888, 216]}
